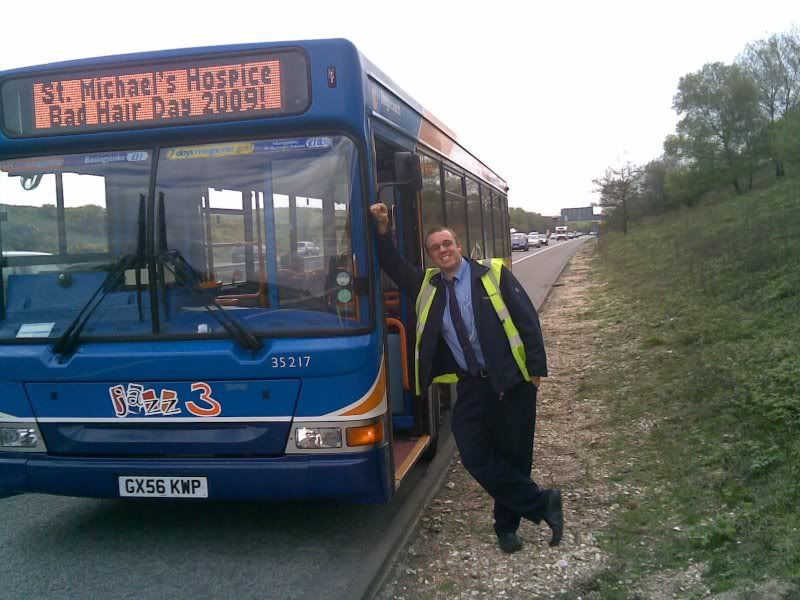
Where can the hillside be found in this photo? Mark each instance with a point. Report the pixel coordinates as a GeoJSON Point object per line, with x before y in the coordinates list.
{"type": "Point", "coordinates": [701, 310]}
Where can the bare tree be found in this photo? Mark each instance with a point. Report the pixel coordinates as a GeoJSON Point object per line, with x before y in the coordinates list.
{"type": "Point", "coordinates": [619, 192]}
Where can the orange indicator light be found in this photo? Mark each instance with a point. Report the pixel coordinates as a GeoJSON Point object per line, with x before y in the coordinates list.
{"type": "Point", "coordinates": [365, 435]}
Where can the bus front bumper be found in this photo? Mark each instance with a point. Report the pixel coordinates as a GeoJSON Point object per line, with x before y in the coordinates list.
{"type": "Point", "coordinates": [358, 477]}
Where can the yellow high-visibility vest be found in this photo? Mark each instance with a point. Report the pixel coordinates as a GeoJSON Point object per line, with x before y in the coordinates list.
{"type": "Point", "coordinates": [491, 282]}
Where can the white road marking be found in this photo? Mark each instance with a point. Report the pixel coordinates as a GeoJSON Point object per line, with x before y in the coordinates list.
{"type": "Point", "coordinates": [519, 260]}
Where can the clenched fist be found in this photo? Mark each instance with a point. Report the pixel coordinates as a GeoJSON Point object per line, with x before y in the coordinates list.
{"type": "Point", "coordinates": [381, 215]}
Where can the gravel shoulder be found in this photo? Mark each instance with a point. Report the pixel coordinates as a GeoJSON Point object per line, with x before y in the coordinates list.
{"type": "Point", "coordinates": [453, 553]}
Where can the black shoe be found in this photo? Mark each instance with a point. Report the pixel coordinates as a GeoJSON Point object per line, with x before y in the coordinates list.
{"type": "Point", "coordinates": [554, 515]}
{"type": "Point", "coordinates": [509, 542]}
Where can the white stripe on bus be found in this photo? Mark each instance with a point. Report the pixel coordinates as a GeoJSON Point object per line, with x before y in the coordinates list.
{"type": "Point", "coordinates": [165, 420]}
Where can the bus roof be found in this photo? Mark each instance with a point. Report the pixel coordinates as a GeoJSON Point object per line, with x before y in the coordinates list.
{"type": "Point", "coordinates": [384, 100]}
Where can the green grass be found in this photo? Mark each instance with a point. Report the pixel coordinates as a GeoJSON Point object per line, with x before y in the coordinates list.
{"type": "Point", "coordinates": [701, 321]}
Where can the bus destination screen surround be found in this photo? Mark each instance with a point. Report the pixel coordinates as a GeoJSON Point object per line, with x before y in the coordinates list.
{"type": "Point", "coordinates": [157, 94]}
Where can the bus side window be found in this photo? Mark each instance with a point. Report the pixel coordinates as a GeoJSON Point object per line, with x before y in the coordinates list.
{"type": "Point", "coordinates": [456, 204]}
{"type": "Point", "coordinates": [474, 220]}
{"type": "Point", "coordinates": [432, 205]}
{"type": "Point", "coordinates": [488, 227]}
{"type": "Point", "coordinates": [504, 227]}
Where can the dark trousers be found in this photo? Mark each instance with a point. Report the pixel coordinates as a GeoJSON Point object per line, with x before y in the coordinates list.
{"type": "Point", "coordinates": [494, 435]}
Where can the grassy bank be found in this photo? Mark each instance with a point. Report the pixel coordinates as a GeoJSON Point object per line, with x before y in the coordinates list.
{"type": "Point", "coordinates": [700, 316]}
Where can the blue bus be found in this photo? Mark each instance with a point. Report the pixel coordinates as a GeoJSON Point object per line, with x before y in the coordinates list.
{"type": "Point", "coordinates": [191, 306]}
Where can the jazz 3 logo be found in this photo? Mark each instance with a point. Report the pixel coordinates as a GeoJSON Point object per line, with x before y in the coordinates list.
{"type": "Point", "coordinates": [136, 400]}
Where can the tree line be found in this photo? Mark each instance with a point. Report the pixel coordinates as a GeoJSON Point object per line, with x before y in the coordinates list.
{"type": "Point", "coordinates": [524, 221]}
{"type": "Point", "coordinates": [739, 123]}
{"type": "Point", "coordinates": [35, 228]}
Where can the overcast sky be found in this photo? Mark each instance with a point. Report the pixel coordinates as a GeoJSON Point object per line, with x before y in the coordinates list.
{"type": "Point", "coordinates": [547, 96]}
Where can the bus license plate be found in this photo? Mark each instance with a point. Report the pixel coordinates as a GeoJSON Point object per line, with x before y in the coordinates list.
{"type": "Point", "coordinates": [163, 487]}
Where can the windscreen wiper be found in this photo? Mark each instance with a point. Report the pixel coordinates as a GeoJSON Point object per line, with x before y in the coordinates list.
{"type": "Point", "coordinates": [69, 339]}
{"type": "Point", "coordinates": [183, 272]}
{"type": "Point", "coordinates": [186, 275]}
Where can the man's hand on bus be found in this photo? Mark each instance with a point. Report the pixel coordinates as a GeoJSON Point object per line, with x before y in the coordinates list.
{"type": "Point", "coordinates": [381, 215]}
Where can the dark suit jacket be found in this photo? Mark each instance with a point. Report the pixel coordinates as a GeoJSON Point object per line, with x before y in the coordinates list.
{"type": "Point", "coordinates": [435, 357]}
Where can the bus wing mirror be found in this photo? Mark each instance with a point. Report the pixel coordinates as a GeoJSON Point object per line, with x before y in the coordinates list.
{"type": "Point", "coordinates": [408, 171]}
{"type": "Point", "coordinates": [30, 182]}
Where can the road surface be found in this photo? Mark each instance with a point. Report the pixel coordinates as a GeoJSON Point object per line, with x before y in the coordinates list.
{"type": "Point", "coordinates": [54, 547]}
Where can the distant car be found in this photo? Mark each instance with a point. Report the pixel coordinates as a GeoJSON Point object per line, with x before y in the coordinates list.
{"type": "Point", "coordinates": [533, 240]}
{"type": "Point", "coordinates": [544, 240]}
{"type": "Point", "coordinates": [307, 249]}
{"type": "Point", "coordinates": [519, 241]}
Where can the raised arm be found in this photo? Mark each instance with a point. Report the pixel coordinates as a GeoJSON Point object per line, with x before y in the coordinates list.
{"type": "Point", "coordinates": [404, 274]}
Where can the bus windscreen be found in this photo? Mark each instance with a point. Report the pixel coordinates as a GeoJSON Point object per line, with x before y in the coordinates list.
{"type": "Point", "coordinates": [156, 94]}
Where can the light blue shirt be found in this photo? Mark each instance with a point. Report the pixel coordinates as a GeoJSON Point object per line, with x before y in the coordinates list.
{"type": "Point", "coordinates": [463, 287]}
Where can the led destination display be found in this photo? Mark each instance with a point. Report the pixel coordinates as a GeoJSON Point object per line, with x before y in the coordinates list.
{"type": "Point", "coordinates": [141, 97]}
{"type": "Point", "coordinates": [154, 95]}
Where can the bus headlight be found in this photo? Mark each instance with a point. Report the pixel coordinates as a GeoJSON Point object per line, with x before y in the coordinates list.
{"type": "Point", "coordinates": [327, 437]}
{"type": "Point", "coordinates": [316, 438]}
{"type": "Point", "coordinates": [18, 437]}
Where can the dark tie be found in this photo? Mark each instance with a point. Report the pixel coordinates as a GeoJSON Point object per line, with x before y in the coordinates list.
{"type": "Point", "coordinates": [461, 329]}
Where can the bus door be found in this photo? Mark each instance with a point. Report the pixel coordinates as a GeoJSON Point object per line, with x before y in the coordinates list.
{"type": "Point", "coordinates": [413, 436]}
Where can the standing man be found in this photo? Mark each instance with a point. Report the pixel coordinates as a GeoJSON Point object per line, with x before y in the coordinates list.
{"type": "Point", "coordinates": [476, 323]}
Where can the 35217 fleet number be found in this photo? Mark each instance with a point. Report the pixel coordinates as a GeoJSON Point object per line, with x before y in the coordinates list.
{"type": "Point", "coordinates": [291, 362]}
